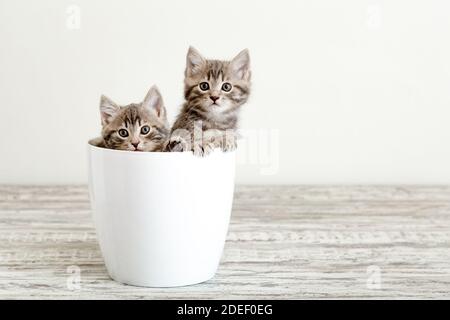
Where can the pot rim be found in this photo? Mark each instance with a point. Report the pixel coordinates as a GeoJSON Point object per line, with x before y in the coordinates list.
{"type": "Point", "coordinates": [91, 145]}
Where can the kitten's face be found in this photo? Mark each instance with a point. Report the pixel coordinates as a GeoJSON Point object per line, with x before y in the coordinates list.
{"type": "Point", "coordinates": [217, 87]}
{"type": "Point", "coordinates": [135, 127]}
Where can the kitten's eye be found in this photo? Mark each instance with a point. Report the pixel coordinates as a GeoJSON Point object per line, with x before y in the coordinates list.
{"type": "Point", "coordinates": [123, 133]}
{"type": "Point", "coordinates": [226, 87]}
{"type": "Point", "coordinates": [145, 129]}
{"type": "Point", "coordinates": [204, 86]}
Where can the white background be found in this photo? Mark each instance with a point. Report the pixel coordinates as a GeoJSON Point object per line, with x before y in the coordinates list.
{"type": "Point", "coordinates": [353, 91]}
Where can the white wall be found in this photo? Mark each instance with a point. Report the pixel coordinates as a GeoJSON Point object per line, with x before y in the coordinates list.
{"type": "Point", "coordinates": [353, 91]}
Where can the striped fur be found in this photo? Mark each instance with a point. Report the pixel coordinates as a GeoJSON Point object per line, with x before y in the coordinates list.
{"type": "Point", "coordinates": [220, 116]}
{"type": "Point", "coordinates": [133, 118]}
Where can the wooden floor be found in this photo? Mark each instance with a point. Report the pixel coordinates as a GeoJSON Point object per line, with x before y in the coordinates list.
{"type": "Point", "coordinates": [289, 242]}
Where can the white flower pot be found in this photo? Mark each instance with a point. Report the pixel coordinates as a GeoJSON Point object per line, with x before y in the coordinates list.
{"type": "Point", "coordinates": [161, 218]}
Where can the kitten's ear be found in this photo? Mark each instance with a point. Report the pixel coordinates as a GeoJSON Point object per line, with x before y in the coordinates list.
{"type": "Point", "coordinates": [194, 62]}
{"type": "Point", "coordinates": [240, 65]}
{"type": "Point", "coordinates": [108, 109]}
{"type": "Point", "coordinates": [153, 102]}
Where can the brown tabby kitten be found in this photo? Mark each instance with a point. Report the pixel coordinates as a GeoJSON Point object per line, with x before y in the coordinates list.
{"type": "Point", "coordinates": [135, 127]}
{"type": "Point", "coordinates": [214, 90]}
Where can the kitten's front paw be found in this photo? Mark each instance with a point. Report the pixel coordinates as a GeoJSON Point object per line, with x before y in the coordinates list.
{"type": "Point", "coordinates": [202, 150]}
{"type": "Point", "coordinates": [229, 143]}
{"type": "Point", "coordinates": [176, 144]}
{"type": "Point", "coordinates": [198, 152]}
{"type": "Point", "coordinates": [208, 148]}
{"type": "Point", "coordinates": [229, 146]}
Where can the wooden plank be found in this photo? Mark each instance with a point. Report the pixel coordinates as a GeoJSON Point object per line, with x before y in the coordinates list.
{"type": "Point", "coordinates": [284, 242]}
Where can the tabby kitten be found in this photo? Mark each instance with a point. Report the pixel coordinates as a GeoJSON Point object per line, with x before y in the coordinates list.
{"type": "Point", "coordinates": [135, 127]}
{"type": "Point", "coordinates": [214, 91]}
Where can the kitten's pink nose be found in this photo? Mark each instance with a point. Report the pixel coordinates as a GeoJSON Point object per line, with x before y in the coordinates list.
{"type": "Point", "coordinates": [214, 98]}
{"type": "Point", "coordinates": [135, 144]}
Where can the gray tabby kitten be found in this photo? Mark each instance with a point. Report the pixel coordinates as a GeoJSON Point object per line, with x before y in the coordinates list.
{"type": "Point", "coordinates": [135, 127]}
{"type": "Point", "coordinates": [214, 91]}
